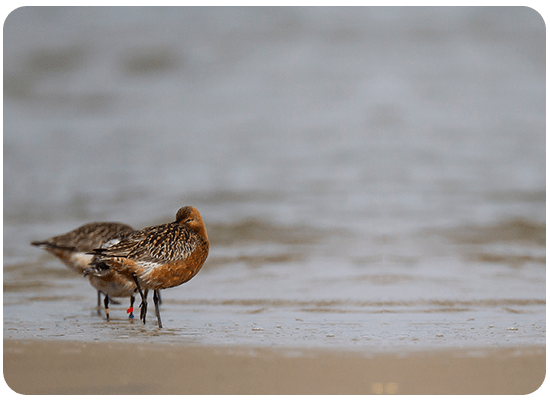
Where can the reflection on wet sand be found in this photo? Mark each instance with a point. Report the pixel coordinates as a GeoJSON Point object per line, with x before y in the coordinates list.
{"type": "Point", "coordinates": [515, 261]}
{"type": "Point", "coordinates": [509, 231]}
{"type": "Point", "coordinates": [252, 230]}
{"type": "Point", "coordinates": [362, 306]}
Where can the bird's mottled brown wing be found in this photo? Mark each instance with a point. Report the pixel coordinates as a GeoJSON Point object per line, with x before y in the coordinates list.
{"type": "Point", "coordinates": [159, 244]}
{"type": "Point", "coordinates": [89, 236]}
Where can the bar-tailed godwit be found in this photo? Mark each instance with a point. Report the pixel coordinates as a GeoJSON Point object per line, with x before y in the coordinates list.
{"type": "Point", "coordinates": [158, 257]}
{"type": "Point", "coordinates": [73, 249]}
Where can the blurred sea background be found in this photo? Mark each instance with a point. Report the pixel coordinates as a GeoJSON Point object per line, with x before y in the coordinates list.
{"type": "Point", "coordinates": [369, 177]}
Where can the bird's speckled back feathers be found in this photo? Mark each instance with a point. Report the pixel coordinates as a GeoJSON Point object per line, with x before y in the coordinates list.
{"type": "Point", "coordinates": [159, 244]}
{"type": "Point", "coordinates": [87, 237]}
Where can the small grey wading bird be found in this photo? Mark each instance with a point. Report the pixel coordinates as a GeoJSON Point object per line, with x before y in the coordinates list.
{"type": "Point", "coordinates": [73, 249]}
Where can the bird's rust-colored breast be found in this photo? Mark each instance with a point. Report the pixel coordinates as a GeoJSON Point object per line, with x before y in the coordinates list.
{"type": "Point", "coordinates": [177, 272]}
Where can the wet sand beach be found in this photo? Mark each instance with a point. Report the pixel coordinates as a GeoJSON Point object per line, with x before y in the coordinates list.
{"type": "Point", "coordinates": [66, 367]}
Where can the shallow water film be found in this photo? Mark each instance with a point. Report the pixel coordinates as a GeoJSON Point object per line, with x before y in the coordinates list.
{"type": "Point", "coordinates": [369, 178]}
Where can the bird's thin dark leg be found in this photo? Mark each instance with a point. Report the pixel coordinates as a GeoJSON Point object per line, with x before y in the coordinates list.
{"type": "Point", "coordinates": [143, 304]}
{"type": "Point", "coordinates": [106, 302]}
{"type": "Point", "coordinates": [156, 299]}
{"type": "Point", "coordinates": [131, 309]}
{"type": "Point", "coordinates": [138, 287]}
